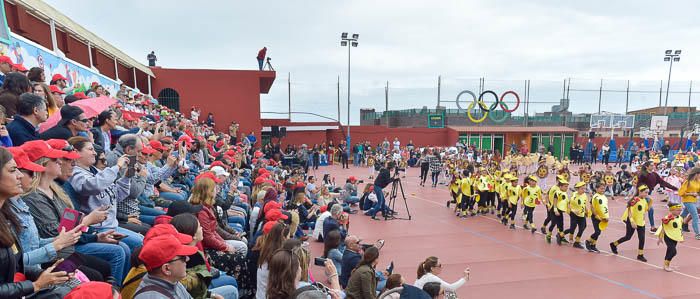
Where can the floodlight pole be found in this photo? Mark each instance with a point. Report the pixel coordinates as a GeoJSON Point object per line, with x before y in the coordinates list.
{"type": "Point", "coordinates": [668, 84]}
{"type": "Point", "coordinates": [349, 41]}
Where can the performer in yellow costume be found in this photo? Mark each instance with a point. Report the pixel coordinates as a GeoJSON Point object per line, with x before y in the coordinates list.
{"type": "Point", "coordinates": [633, 217]}
{"type": "Point", "coordinates": [599, 216]}
{"type": "Point", "coordinates": [532, 195]}
{"type": "Point", "coordinates": [670, 233]}
{"type": "Point", "coordinates": [578, 210]}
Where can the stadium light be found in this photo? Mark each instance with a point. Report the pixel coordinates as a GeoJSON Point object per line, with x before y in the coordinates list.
{"type": "Point", "coordinates": [350, 43]}
{"type": "Point", "coordinates": [670, 56]}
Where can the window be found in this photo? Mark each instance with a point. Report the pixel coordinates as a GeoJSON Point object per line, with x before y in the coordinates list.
{"type": "Point", "coordinates": [169, 98]}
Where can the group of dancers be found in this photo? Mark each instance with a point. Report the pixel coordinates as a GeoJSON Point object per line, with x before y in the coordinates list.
{"type": "Point", "coordinates": [487, 188]}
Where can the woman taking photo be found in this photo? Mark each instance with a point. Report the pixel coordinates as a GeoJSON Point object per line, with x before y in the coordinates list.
{"type": "Point", "coordinates": [429, 270]}
{"type": "Point", "coordinates": [37, 284]}
{"type": "Point", "coordinates": [286, 273]}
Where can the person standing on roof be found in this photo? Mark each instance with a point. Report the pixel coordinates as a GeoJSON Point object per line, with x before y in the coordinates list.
{"type": "Point", "coordinates": [261, 57]}
{"type": "Point", "coordinates": [152, 59]}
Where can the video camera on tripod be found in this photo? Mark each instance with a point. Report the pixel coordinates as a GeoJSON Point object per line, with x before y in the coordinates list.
{"type": "Point", "coordinates": [396, 186]}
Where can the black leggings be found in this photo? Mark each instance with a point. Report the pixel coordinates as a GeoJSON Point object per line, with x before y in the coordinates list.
{"type": "Point", "coordinates": [344, 160]}
{"type": "Point", "coordinates": [548, 219]}
{"type": "Point", "coordinates": [434, 176]}
{"type": "Point", "coordinates": [512, 210]}
{"type": "Point", "coordinates": [596, 228]}
{"type": "Point", "coordinates": [576, 221]}
{"type": "Point", "coordinates": [670, 248]}
{"type": "Point", "coordinates": [528, 214]}
{"type": "Point", "coordinates": [558, 221]}
{"type": "Point", "coordinates": [424, 167]}
{"type": "Point", "coordinates": [629, 231]}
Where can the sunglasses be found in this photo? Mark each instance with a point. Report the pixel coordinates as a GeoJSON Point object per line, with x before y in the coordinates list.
{"type": "Point", "coordinates": [179, 258]}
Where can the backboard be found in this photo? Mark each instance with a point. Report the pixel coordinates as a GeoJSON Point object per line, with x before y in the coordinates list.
{"type": "Point", "coordinates": [612, 121]}
{"type": "Point", "coordinates": [659, 123]}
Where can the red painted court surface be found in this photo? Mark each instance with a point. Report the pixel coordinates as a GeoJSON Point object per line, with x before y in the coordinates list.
{"type": "Point", "coordinates": [516, 264]}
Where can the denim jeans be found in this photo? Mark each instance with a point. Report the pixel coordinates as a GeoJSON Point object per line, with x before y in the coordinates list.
{"type": "Point", "coordinates": [692, 208]}
{"type": "Point", "coordinates": [174, 196]}
{"type": "Point", "coordinates": [133, 240]}
{"type": "Point", "coordinates": [222, 280]}
{"type": "Point", "coordinates": [324, 159]}
{"type": "Point", "coordinates": [650, 213]}
{"type": "Point", "coordinates": [117, 255]}
{"type": "Point", "coordinates": [356, 159]}
{"type": "Point", "coordinates": [148, 215]}
{"type": "Point", "coordinates": [352, 199]}
{"type": "Point", "coordinates": [380, 205]}
{"type": "Point", "coordinates": [227, 291]}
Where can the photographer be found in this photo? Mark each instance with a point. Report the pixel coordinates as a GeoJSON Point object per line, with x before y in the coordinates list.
{"type": "Point", "coordinates": [383, 179]}
{"type": "Point", "coordinates": [350, 195]}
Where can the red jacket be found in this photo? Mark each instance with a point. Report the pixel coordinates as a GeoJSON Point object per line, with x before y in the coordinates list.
{"type": "Point", "coordinates": [207, 220]}
{"type": "Point", "coordinates": [261, 54]}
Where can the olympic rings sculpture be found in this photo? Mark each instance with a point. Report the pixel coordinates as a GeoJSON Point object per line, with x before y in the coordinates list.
{"type": "Point", "coordinates": [488, 110]}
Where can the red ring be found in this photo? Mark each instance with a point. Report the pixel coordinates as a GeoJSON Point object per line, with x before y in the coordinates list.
{"type": "Point", "coordinates": [517, 97]}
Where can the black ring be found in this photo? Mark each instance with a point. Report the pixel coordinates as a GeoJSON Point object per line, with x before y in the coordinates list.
{"type": "Point", "coordinates": [483, 106]}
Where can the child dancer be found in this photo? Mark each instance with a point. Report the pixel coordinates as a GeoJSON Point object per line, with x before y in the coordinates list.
{"type": "Point", "coordinates": [465, 193]}
{"type": "Point", "coordinates": [559, 204]}
{"type": "Point", "coordinates": [454, 190]}
{"type": "Point", "coordinates": [504, 183]}
{"type": "Point", "coordinates": [513, 192]}
{"type": "Point", "coordinates": [578, 210]}
{"type": "Point", "coordinates": [670, 233]}
{"type": "Point", "coordinates": [599, 215]}
{"type": "Point", "coordinates": [634, 221]}
{"type": "Point", "coordinates": [550, 196]}
{"type": "Point", "coordinates": [483, 188]}
{"type": "Point", "coordinates": [532, 195]}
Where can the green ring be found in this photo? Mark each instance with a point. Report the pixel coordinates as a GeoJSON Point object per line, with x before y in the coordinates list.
{"type": "Point", "coordinates": [505, 114]}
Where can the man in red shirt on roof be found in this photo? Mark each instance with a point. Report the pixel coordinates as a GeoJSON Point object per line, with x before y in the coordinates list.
{"type": "Point", "coordinates": [261, 57]}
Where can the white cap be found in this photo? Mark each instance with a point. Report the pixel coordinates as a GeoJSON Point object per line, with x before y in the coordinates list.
{"type": "Point", "coordinates": [218, 170]}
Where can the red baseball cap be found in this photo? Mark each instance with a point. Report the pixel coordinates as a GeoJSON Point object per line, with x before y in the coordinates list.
{"type": "Point", "coordinates": [272, 205]}
{"type": "Point", "coordinates": [166, 229]}
{"type": "Point", "coordinates": [56, 89]}
{"type": "Point", "coordinates": [258, 154]}
{"type": "Point", "coordinates": [217, 163]}
{"type": "Point", "coordinates": [36, 149]}
{"type": "Point", "coordinates": [91, 290]}
{"type": "Point", "coordinates": [157, 145]}
{"type": "Point", "coordinates": [57, 77]}
{"type": "Point", "coordinates": [162, 250]}
{"type": "Point", "coordinates": [147, 150]}
{"type": "Point", "coordinates": [19, 67]}
{"type": "Point", "coordinates": [63, 145]}
{"type": "Point", "coordinates": [259, 180]}
{"type": "Point", "coordinates": [80, 95]}
{"type": "Point", "coordinates": [23, 161]}
{"type": "Point", "coordinates": [268, 226]}
{"type": "Point", "coordinates": [6, 59]}
{"type": "Point", "coordinates": [352, 179]}
{"type": "Point", "coordinates": [208, 175]}
{"type": "Point", "coordinates": [274, 215]}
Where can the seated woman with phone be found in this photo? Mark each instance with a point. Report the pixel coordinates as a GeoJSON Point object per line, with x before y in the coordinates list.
{"type": "Point", "coordinates": [47, 211]}
{"type": "Point", "coordinates": [16, 281]}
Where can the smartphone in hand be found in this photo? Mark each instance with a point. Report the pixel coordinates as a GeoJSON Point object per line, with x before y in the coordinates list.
{"type": "Point", "coordinates": [319, 261]}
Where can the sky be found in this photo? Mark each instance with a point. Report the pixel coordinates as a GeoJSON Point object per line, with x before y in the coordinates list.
{"type": "Point", "coordinates": [410, 43]}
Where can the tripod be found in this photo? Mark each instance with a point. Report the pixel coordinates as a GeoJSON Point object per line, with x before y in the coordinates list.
{"type": "Point", "coordinates": [396, 186]}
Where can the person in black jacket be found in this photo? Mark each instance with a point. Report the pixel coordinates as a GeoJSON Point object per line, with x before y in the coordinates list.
{"type": "Point", "coordinates": [31, 111]}
{"type": "Point", "coordinates": [383, 179]}
{"type": "Point", "coordinates": [72, 122]}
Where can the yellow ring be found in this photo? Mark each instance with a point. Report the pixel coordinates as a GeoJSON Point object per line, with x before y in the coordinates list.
{"type": "Point", "coordinates": [469, 114]}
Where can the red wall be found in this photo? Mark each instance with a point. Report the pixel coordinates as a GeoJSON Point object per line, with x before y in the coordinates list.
{"type": "Point", "coordinates": [126, 74]}
{"type": "Point", "coordinates": [78, 52]}
{"type": "Point", "coordinates": [229, 95]}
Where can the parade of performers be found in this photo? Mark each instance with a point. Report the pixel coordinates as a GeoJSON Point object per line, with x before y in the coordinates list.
{"type": "Point", "coordinates": [514, 186]}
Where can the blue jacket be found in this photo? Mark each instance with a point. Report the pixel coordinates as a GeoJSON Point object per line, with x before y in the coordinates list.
{"type": "Point", "coordinates": [21, 131]}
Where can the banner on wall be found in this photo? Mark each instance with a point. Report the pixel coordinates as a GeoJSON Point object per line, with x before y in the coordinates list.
{"type": "Point", "coordinates": [32, 55]}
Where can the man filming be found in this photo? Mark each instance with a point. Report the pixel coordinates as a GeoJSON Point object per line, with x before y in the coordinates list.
{"type": "Point", "coordinates": [383, 179]}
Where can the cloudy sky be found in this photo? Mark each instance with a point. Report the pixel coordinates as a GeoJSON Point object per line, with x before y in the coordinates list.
{"type": "Point", "coordinates": [411, 43]}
